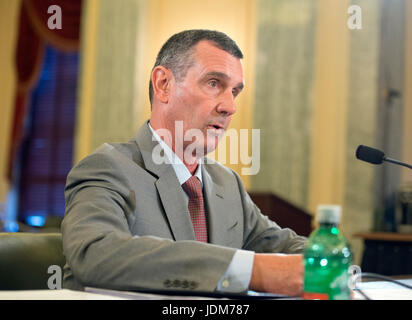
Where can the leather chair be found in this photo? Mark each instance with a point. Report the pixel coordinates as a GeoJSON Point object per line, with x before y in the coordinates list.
{"type": "Point", "coordinates": [26, 257]}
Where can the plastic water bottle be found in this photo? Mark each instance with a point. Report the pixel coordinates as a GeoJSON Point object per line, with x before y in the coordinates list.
{"type": "Point", "coordinates": [327, 258]}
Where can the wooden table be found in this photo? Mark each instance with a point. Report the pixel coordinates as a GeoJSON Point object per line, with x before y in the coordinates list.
{"type": "Point", "coordinates": [387, 253]}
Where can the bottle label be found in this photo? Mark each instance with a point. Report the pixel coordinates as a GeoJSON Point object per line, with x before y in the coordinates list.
{"type": "Point", "coordinates": [315, 296]}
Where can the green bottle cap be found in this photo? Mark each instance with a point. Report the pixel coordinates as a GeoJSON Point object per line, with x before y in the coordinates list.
{"type": "Point", "coordinates": [328, 213]}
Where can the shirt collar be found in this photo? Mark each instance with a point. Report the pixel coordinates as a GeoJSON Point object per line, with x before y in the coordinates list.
{"type": "Point", "coordinates": [182, 173]}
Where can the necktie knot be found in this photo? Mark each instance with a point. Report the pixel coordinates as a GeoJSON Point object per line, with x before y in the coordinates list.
{"type": "Point", "coordinates": [193, 187]}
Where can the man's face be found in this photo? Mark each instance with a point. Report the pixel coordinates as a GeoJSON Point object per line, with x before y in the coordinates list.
{"type": "Point", "coordinates": [205, 98]}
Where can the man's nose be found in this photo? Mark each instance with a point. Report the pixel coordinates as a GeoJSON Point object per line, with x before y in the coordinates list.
{"type": "Point", "coordinates": [227, 105]}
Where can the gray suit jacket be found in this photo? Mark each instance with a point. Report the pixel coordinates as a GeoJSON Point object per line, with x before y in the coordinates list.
{"type": "Point", "coordinates": [127, 226]}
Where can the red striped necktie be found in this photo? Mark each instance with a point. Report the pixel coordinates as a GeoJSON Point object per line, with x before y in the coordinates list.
{"type": "Point", "coordinates": [193, 188]}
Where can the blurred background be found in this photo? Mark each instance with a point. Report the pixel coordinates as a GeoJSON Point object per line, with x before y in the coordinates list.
{"type": "Point", "coordinates": [315, 88]}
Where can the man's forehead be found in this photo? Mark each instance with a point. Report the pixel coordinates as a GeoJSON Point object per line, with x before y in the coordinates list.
{"type": "Point", "coordinates": [215, 60]}
{"type": "Point", "coordinates": [206, 47]}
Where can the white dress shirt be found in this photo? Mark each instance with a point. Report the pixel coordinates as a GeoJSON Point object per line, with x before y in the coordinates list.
{"type": "Point", "coordinates": [238, 274]}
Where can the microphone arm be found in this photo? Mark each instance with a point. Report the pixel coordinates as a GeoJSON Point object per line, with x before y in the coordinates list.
{"type": "Point", "coordinates": [396, 162]}
{"type": "Point", "coordinates": [376, 156]}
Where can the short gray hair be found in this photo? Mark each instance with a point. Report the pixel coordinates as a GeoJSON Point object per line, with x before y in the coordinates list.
{"type": "Point", "coordinates": [176, 53]}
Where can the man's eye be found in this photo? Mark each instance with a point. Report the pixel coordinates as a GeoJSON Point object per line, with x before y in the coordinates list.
{"type": "Point", "coordinates": [213, 83]}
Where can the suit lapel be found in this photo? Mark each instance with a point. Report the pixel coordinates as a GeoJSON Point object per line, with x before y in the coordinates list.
{"type": "Point", "coordinates": [221, 219]}
{"type": "Point", "coordinates": [168, 187]}
{"type": "Point", "coordinates": [172, 198]}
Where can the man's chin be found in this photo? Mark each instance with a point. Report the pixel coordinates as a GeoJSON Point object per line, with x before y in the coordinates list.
{"type": "Point", "coordinates": [211, 144]}
{"type": "Point", "coordinates": [202, 147]}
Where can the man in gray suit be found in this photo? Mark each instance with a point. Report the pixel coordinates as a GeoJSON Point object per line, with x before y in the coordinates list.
{"type": "Point", "coordinates": [132, 221]}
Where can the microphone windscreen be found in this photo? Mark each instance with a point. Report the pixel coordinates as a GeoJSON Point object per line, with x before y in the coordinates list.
{"type": "Point", "coordinates": [369, 154]}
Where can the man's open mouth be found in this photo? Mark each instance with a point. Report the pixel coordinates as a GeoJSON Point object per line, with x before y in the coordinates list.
{"type": "Point", "coordinates": [215, 128]}
{"type": "Point", "coordinates": [217, 125]}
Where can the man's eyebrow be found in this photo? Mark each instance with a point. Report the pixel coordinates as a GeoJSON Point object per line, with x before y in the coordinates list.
{"type": "Point", "coordinates": [218, 74]}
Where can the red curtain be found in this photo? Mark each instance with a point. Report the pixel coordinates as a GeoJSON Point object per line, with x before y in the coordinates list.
{"type": "Point", "coordinates": [33, 34]}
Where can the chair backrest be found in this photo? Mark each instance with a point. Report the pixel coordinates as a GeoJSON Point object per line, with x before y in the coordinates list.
{"type": "Point", "coordinates": [26, 257]}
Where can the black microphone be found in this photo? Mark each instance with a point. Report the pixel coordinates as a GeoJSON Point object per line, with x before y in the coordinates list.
{"type": "Point", "coordinates": [376, 156]}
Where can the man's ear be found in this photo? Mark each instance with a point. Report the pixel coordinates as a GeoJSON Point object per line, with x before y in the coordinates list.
{"type": "Point", "coordinates": [161, 78]}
